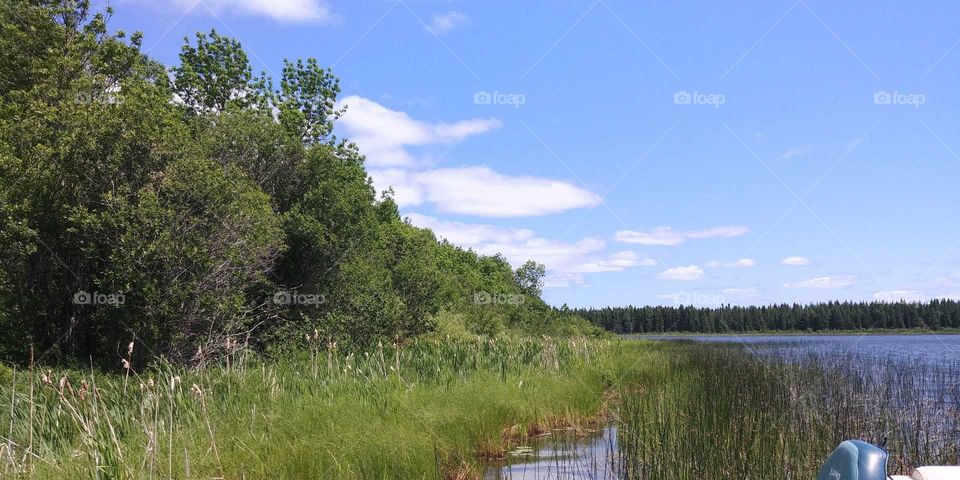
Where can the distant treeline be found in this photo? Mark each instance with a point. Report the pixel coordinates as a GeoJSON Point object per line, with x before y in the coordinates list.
{"type": "Point", "coordinates": [937, 314]}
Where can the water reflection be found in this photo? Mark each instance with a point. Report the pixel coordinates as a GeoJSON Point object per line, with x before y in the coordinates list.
{"type": "Point", "coordinates": [561, 457]}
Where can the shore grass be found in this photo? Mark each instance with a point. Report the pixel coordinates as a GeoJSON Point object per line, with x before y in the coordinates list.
{"type": "Point", "coordinates": [433, 409]}
{"type": "Point", "coordinates": [723, 411]}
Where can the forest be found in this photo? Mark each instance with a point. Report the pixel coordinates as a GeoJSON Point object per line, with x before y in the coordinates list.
{"type": "Point", "coordinates": [830, 316]}
{"type": "Point", "coordinates": [200, 208]}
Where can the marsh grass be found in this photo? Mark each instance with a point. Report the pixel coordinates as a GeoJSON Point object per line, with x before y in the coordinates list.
{"type": "Point", "coordinates": [723, 411]}
{"type": "Point", "coordinates": [430, 409]}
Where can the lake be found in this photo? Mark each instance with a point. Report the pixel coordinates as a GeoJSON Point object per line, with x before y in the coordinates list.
{"type": "Point", "coordinates": [592, 458]}
{"type": "Point", "coordinates": [933, 348]}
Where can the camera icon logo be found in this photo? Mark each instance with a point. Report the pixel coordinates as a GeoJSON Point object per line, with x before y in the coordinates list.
{"type": "Point", "coordinates": [882, 97]}
{"type": "Point", "coordinates": [682, 97]}
{"type": "Point", "coordinates": [482, 98]}
{"type": "Point", "coordinates": [82, 298]}
{"type": "Point", "coordinates": [282, 298]}
{"type": "Point", "coordinates": [482, 298]}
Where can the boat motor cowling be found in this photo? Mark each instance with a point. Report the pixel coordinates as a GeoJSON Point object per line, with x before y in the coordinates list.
{"type": "Point", "coordinates": [855, 460]}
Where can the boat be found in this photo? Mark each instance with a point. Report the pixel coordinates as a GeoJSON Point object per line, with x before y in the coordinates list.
{"type": "Point", "coordinates": [859, 460]}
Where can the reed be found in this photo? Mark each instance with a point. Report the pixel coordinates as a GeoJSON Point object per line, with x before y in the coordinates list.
{"type": "Point", "coordinates": [416, 411]}
{"type": "Point", "coordinates": [725, 411]}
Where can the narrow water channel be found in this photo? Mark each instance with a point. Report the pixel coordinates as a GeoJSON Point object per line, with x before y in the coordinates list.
{"type": "Point", "coordinates": [560, 457]}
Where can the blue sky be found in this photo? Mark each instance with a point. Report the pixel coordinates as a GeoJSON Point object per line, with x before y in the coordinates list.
{"type": "Point", "coordinates": [648, 153]}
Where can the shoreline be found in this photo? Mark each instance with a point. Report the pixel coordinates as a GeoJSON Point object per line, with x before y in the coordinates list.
{"type": "Point", "coordinates": [837, 333]}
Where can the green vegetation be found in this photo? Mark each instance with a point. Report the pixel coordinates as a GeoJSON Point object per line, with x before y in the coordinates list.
{"type": "Point", "coordinates": [832, 317]}
{"type": "Point", "coordinates": [428, 410]}
{"type": "Point", "coordinates": [192, 208]}
{"type": "Point", "coordinates": [719, 411]}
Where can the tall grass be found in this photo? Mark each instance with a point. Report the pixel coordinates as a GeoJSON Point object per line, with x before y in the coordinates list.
{"type": "Point", "coordinates": [431, 409]}
{"type": "Point", "coordinates": [721, 411]}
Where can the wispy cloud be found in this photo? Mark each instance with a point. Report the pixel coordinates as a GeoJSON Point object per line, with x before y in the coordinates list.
{"type": "Point", "coordinates": [566, 262]}
{"type": "Point", "coordinates": [795, 261]}
{"type": "Point", "coordinates": [668, 236]}
{"type": "Point", "coordinates": [893, 296]}
{"type": "Point", "coordinates": [292, 11]}
{"type": "Point", "coordinates": [483, 192]}
{"type": "Point", "coordinates": [688, 273]}
{"type": "Point", "coordinates": [825, 282]}
{"type": "Point", "coordinates": [741, 263]}
{"type": "Point", "coordinates": [741, 292]}
{"type": "Point", "coordinates": [796, 152]}
{"type": "Point", "coordinates": [384, 135]}
{"type": "Point", "coordinates": [447, 22]}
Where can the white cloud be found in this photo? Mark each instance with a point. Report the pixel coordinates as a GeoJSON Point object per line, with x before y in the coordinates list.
{"type": "Point", "coordinates": [482, 191]}
{"type": "Point", "coordinates": [796, 152]}
{"type": "Point", "coordinates": [795, 261]}
{"type": "Point", "coordinates": [383, 135]}
{"type": "Point", "coordinates": [824, 282]}
{"type": "Point", "coordinates": [446, 22]}
{"type": "Point", "coordinates": [743, 292]}
{"type": "Point", "coordinates": [294, 11]}
{"type": "Point", "coordinates": [566, 262]}
{"type": "Point", "coordinates": [669, 236]}
{"type": "Point", "coordinates": [893, 296]}
{"type": "Point", "coordinates": [688, 273]}
{"type": "Point", "coordinates": [741, 263]}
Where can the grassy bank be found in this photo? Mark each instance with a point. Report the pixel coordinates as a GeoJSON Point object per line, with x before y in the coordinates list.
{"type": "Point", "coordinates": [427, 410]}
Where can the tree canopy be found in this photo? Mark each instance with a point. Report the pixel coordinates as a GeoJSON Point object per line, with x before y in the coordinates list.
{"type": "Point", "coordinates": [198, 207]}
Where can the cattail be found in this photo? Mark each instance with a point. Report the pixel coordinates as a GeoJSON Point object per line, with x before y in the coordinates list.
{"type": "Point", "coordinates": [45, 379]}
{"type": "Point", "coordinates": [125, 363]}
{"type": "Point", "coordinates": [196, 390]}
{"type": "Point", "coordinates": [130, 349]}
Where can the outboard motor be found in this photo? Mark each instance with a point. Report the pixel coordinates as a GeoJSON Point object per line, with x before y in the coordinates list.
{"type": "Point", "coordinates": [855, 460]}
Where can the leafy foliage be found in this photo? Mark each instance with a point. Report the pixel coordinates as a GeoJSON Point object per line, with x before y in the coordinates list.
{"type": "Point", "coordinates": [205, 207]}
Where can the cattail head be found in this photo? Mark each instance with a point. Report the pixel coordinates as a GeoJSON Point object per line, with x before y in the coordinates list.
{"type": "Point", "coordinates": [196, 390]}
{"type": "Point", "coordinates": [130, 349]}
{"type": "Point", "coordinates": [125, 363]}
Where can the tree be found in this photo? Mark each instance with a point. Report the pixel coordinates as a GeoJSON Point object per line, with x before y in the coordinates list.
{"type": "Point", "coordinates": [214, 75]}
{"type": "Point", "coordinates": [530, 277]}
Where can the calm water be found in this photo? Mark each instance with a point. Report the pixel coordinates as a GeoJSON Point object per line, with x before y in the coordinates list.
{"type": "Point", "coordinates": [928, 348]}
{"type": "Point", "coordinates": [559, 459]}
